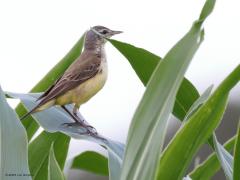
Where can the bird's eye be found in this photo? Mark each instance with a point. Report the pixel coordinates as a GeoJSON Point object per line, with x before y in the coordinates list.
{"type": "Point", "coordinates": [104, 31]}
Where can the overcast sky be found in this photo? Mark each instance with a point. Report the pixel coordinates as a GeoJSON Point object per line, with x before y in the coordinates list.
{"type": "Point", "coordinates": [35, 35]}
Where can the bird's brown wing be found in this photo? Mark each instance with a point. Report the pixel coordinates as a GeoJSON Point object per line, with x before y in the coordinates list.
{"type": "Point", "coordinates": [80, 71]}
{"type": "Point", "coordinates": [49, 89]}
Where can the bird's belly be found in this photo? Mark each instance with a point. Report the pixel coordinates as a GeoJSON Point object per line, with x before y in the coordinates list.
{"type": "Point", "coordinates": [86, 90]}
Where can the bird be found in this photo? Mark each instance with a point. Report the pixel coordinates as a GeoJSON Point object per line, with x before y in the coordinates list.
{"type": "Point", "coordinates": [83, 78]}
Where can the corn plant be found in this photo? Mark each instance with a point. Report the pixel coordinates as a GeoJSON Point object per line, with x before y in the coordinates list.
{"type": "Point", "coordinates": [143, 157]}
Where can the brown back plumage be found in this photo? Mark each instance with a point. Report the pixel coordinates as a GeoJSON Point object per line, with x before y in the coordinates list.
{"type": "Point", "coordinates": [81, 70]}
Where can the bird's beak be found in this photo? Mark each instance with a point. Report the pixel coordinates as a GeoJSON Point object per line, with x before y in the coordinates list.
{"type": "Point", "coordinates": [116, 32]}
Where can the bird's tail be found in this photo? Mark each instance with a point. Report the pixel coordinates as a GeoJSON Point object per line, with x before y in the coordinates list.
{"type": "Point", "coordinates": [41, 106]}
{"type": "Point", "coordinates": [28, 113]}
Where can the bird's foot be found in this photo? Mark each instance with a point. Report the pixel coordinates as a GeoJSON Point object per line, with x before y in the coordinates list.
{"type": "Point", "coordinates": [89, 129]}
{"type": "Point", "coordinates": [79, 124]}
{"type": "Point", "coordinates": [83, 123]}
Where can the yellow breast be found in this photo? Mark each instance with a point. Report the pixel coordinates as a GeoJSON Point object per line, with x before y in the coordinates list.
{"type": "Point", "coordinates": [86, 90]}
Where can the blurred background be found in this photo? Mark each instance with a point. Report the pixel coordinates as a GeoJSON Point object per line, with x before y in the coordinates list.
{"type": "Point", "coordinates": [35, 35]}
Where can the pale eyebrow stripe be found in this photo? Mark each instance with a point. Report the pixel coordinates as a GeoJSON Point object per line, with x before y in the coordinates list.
{"type": "Point", "coordinates": [96, 32]}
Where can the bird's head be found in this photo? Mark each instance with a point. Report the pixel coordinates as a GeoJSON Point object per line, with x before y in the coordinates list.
{"type": "Point", "coordinates": [97, 35]}
{"type": "Point", "coordinates": [103, 32]}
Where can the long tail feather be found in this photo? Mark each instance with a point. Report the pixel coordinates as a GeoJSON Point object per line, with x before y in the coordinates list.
{"type": "Point", "coordinates": [28, 113]}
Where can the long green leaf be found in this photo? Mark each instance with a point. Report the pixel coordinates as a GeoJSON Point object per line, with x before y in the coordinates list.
{"type": "Point", "coordinates": [236, 166]}
{"type": "Point", "coordinates": [225, 158]}
{"type": "Point", "coordinates": [196, 131]}
{"type": "Point", "coordinates": [207, 169]}
{"type": "Point", "coordinates": [91, 161]}
{"type": "Point", "coordinates": [54, 171]}
{"type": "Point", "coordinates": [144, 63]}
{"type": "Point", "coordinates": [147, 130]}
{"type": "Point", "coordinates": [39, 153]}
{"type": "Point", "coordinates": [29, 123]}
{"type": "Point", "coordinates": [54, 119]}
{"type": "Point", "coordinates": [13, 144]}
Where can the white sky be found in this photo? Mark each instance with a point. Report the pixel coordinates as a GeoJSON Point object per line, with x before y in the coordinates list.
{"type": "Point", "coordinates": [35, 35]}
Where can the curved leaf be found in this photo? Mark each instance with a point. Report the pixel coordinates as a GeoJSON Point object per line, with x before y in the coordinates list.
{"type": "Point", "coordinates": [225, 158]}
{"type": "Point", "coordinates": [144, 64]}
{"type": "Point", "coordinates": [39, 153]}
{"type": "Point", "coordinates": [54, 171]}
{"type": "Point", "coordinates": [207, 169]}
{"type": "Point", "coordinates": [13, 144]}
{"type": "Point", "coordinates": [91, 161]}
{"type": "Point", "coordinates": [196, 131]}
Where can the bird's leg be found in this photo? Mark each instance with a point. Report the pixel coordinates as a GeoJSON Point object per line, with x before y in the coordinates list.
{"type": "Point", "coordinates": [75, 112]}
{"type": "Point", "coordinates": [79, 121]}
{"type": "Point", "coordinates": [69, 113]}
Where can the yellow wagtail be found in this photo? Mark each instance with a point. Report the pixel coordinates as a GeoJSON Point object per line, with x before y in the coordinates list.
{"type": "Point", "coordinates": [84, 77]}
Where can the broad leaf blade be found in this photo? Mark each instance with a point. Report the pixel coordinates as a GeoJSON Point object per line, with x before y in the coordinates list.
{"type": "Point", "coordinates": [226, 159]}
{"type": "Point", "coordinates": [13, 144]}
{"type": "Point", "coordinates": [39, 152]}
{"type": "Point", "coordinates": [29, 123]}
{"type": "Point", "coordinates": [54, 171]}
{"type": "Point", "coordinates": [147, 130]}
{"type": "Point", "coordinates": [210, 166]}
{"type": "Point", "coordinates": [196, 131]}
{"type": "Point", "coordinates": [91, 161]}
{"type": "Point", "coordinates": [54, 119]}
{"type": "Point", "coordinates": [236, 167]}
{"type": "Point", "coordinates": [144, 63]}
